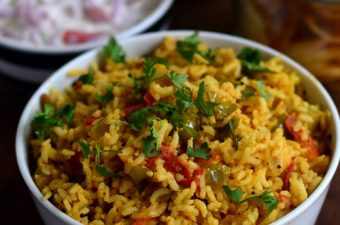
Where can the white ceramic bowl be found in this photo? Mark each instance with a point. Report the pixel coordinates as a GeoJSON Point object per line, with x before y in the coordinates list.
{"type": "Point", "coordinates": [29, 63]}
{"type": "Point", "coordinates": [305, 214]}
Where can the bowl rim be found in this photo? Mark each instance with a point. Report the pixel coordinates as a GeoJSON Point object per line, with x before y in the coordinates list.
{"type": "Point", "coordinates": [21, 143]}
{"type": "Point", "coordinates": [161, 7]}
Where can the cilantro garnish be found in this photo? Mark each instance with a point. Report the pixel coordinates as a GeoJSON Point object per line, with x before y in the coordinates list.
{"type": "Point", "coordinates": [189, 46]}
{"type": "Point", "coordinates": [261, 88]}
{"type": "Point", "coordinates": [177, 79]}
{"type": "Point", "coordinates": [108, 96]}
{"type": "Point", "coordinates": [234, 195]}
{"type": "Point", "coordinates": [86, 78]}
{"type": "Point", "coordinates": [232, 124]}
{"type": "Point", "coordinates": [206, 108]}
{"type": "Point", "coordinates": [266, 198]}
{"type": "Point", "coordinates": [250, 59]}
{"type": "Point", "coordinates": [151, 143]}
{"type": "Point", "coordinates": [168, 111]}
{"type": "Point", "coordinates": [138, 119]}
{"type": "Point", "coordinates": [161, 60]}
{"type": "Point", "coordinates": [138, 86]}
{"type": "Point", "coordinates": [114, 51]}
{"type": "Point", "coordinates": [67, 113]}
{"type": "Point", "coordinates": [85, 148]}
{"type": "Point", "coordinates": [200, 151]}
{"type": "Point", "coordinates": [184, 99]}
{"type": "Point", "coordinates": [49, 117]}
{"type": "Point", "coordinates": [102, 170]}
{"type": "Point", "coordinates": [248, 92]}
{"type": "Point", "coordinates": [148, 70]}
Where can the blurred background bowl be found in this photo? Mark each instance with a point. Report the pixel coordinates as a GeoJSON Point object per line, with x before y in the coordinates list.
{"type": "Point", "coordinates": [306, 213]}
{"type": "Point", "coordinates": [30, 63]}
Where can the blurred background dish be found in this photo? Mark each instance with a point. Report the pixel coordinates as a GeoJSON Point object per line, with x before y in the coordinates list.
{"type": "Point", "coordinates": [306, 30]}
{"type": "Point", "coordinates": [36, 37]}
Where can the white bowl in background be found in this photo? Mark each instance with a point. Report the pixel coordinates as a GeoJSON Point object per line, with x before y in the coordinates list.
{"type": "Point", "coordinates": [306, 213]}
{"type": "Point", "coordinates": [30, 63]}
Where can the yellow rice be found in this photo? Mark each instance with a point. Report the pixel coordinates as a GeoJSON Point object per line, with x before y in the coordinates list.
{"type": "Point", "coordinates": [263, 154]}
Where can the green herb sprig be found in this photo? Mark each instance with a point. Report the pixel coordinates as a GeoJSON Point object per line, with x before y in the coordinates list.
{"type": "Point", "coordinates": [151, 143]}
{"type": "Point", "coordinates": [49, 117]}
{"type": "Point", "coordinates": [189, 47]}
{"type": "Point", "coordinates": [102, 170]}
{"type": "Point", "coordinates": [266, 198]}
{"type": "Point", "coordinates": [114, 51]}
{"type": "Point", "coordinates": [250, 59]}
{"type": "Point", "coordinates": [106, 97]}
{"type": "Point", "coordinates": [202, 151]}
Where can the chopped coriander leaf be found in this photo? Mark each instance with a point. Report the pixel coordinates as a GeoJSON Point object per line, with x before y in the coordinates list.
{"type": "Point", "coordinates": [248, 92]}
{"type": "Point", "coordinates": [250, 55]}
{"type": "Point", "coordinates": [234, 195]}
{"type": "Point", "coordinates": [200, 151]}
{"type": "Point", "coordinates": [155, 135]}
{"type": "Point", "coordinates": [177, 79]}
{"type": "Point", "coordinates": [151, 143]}
{"type": "Point", "coordinates": [261, 88]}
{"type": "Point", "coordinates": [114, 51]}
{"type": "Point", "coordinates": [138, 84]}
{"type": "Point", "coordinates": [85, 148]}
{"type": "Point", "coordinates": [232, 124]}
{"type": "Point", "coordinates": [250, 59]}
{"type": "Point", "coordinates": [42, 133]}
{"type": "Point", "coordinates": [108, 96]}
{"type": "Point", "coordinates": [176, 120]}
{"type": "Point", "coordinates": [184, 99]}
{"type": "Point", "coordinates": [208, 55]}
{"type": "Point", "coordinates": [47, 118]}
{"type": "Point", "coordinates": [267, 198]}
{"type": "Point", "coordinates": [87, 78]}
{"type": "Point", "coordinates": [102, 170]}
{"type": "Point", "coordinates": [206, 108]}
{"type": "Point", "coordinates": [168, 111]}
{"type": "Point", "coordinates": [67, 113]}
{"type": "Point", "coordinates": [163, 107]}
{"type": "Point", "coordinates": [97, 154]}
{"type": "Point", "coordinates": [161, 60]}
{"type": "Point", "coordinates": [253, 68]}
{"type": "Point", "coordinates": [148, 70]}
{"type": "Point", "coordinates": [188, 47]}
{"type": "Point", "coordinates": [138, 119]}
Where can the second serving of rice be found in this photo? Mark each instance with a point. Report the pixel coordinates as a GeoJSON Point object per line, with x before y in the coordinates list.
{"type": "Point", "coordinates": [187, 135]}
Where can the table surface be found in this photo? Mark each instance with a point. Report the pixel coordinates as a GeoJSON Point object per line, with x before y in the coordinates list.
{"type": "Point", "coordinates": [217, 15]}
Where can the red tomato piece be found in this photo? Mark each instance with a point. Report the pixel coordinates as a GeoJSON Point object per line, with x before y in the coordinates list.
{"type": "Point", "coordinates": [313, 149]}
{"type": "Point", "coordinates": [128, 110]}
{"type": "Point", "coordinates": [90, 119]}
{"type": "Point", "coordinates": [174, 165]}
{"type": "Point", "coordinates": [148, 98]}
{"type": "Point", "coordinates": [142, 221]}
{"type": "Point", "coordinates": [286, 174]}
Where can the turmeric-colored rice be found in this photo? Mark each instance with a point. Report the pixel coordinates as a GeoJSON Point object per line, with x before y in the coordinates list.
{"type": "Point", "coordinates": [262, 136]}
